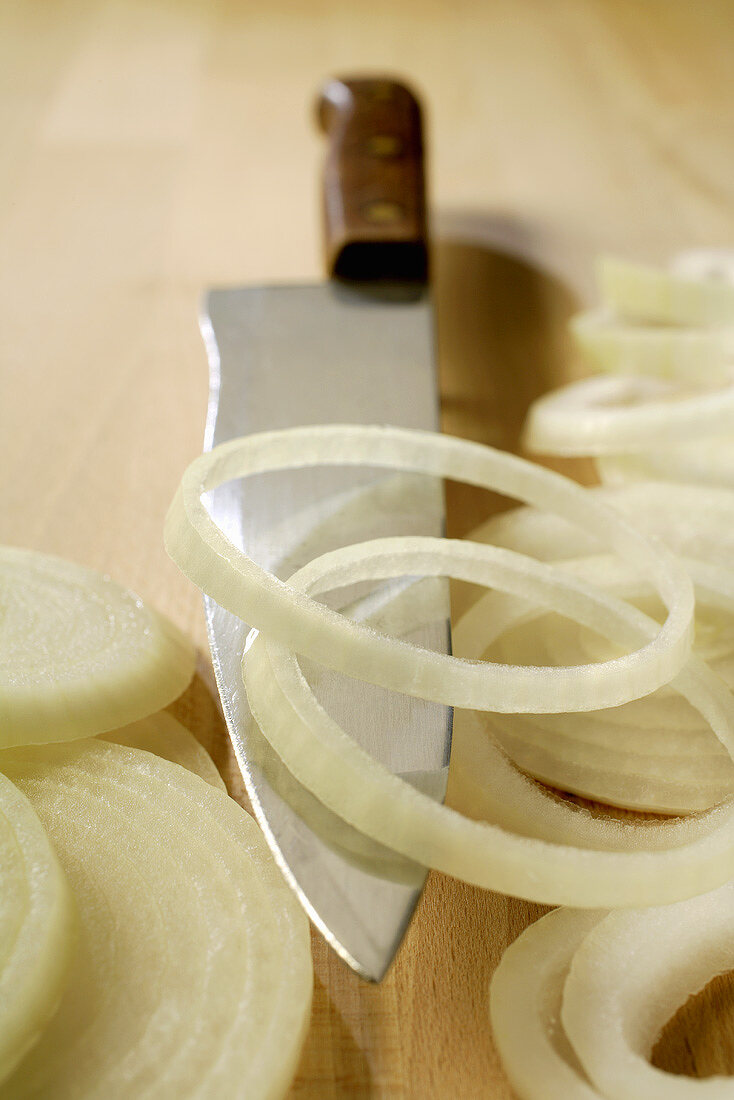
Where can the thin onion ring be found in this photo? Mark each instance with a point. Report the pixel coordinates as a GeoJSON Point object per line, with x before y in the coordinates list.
{"type": "Point", "coordinates": [368, 796]}
{"type": "Point", "coordinates": [513, 688]}
{"type": "Point", "coordinates": [627, 978]}
{"type": "Point", "coordinates": [596, 755]}
{"type": "Point", "coordinates": [693, 520]}
{"type": "Point", "coordinates": [659, 351]}
{"type": "Point", "coordinates": [209, 558]}
{"type": "Point", "coordinates": [707, 461]}
{"type": "Point", "coordinates": [525, 997]}
{"type": "Point", "coordinates": [640, 292]}
{"type": "Point", "coordinates": [612, 414]}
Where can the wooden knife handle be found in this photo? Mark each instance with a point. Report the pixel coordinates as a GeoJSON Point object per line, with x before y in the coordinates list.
{"type": "Point", "coordinates": [374, 183]}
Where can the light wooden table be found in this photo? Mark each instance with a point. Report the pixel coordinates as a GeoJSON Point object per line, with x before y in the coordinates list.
{"type": "Point", "coordinates": [151, 148]}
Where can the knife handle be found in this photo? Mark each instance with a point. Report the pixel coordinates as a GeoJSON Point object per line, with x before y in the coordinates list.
{"type": "Point", "coordinates": [374, 183]}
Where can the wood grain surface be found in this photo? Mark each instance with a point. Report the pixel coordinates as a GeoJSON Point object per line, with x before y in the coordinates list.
{"type": "Point", "coordinates": [151, 148]}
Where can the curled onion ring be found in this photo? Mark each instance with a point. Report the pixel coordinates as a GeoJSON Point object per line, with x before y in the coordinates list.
{"type": "Point", "coordinates": [627, 978]}
{"type": "Point", "coordinates": [650, 754]}
{"type": "Point", "coordinates": [694, 520]}
{"type": "Point", "coordinates": [692, 295]}
{"type": "Point", "coordinates": [525, 997]}
{"type": "Point", "coordinates": [660, 351]}
{"type": "Point", "coordinates": [579, 999]}
{"type": "Point", "coordinates": [209, 558]}
{"type": "Point", "coordinates": [610, 414]}
{"type": "Point", "coordinates": [368, 796]}
{"type": "Point", "coordinates": [708, 461]}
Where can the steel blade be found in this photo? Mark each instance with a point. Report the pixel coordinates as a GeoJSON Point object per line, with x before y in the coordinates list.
{"type": "Point", "coordinates": [279, 357]}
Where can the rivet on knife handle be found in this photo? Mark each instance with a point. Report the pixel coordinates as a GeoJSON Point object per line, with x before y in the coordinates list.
{"type": "Point", "coordinates": [374, 183]}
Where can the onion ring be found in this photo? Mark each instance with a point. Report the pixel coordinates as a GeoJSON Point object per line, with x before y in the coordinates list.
{"type": "Point", "coordinates": [659, 351]}
{"type": "Point", "coordinates": [639, 292]}
{"type": "Point", "coordinates": [368, 796]}
{"type": "Point", "coordinates": [650, 754]}
{"type": "Point", "coordinates": [693, 520]}
{"type": "Point", "coordinates": [525, 997]}
{"type": "Point", "coordinates": [708, 461]}
{"type": "Point", "coordinates": [209, 558]}
{"type": "Point", "coordinates": [627, 978]}
{"type": "Point", "coordinates": [611, 414]}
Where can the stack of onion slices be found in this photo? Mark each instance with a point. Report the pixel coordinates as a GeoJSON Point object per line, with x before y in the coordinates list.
{"type": "Point", "coordinates": [664, 406]}
{"type": "Point", "coordinates": [148, 943]}
{"type": "Point", "coordinates": [655, 753]}
{"type": "Point", "coordinates": [552, 859]}
{"type": "Point", "coordinates": [192, 971]}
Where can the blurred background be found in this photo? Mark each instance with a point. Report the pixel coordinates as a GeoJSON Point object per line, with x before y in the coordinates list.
{"type": "Point", "coordinates": [149, 148]}
{"type": "Point", "coordinates": [153, 147]}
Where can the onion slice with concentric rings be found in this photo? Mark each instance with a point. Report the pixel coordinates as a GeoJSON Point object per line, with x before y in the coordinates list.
{"type": "Point", "coordinates": [165, 736]}
{"type": "Point", "coordinates": [486, 786]}
{"type": "Point", "coordinates": [707, 461]}
{"type": "Point", "coordinates": [37, 927]}
{"type": "Point", "coordinates": [650, 754]}
{"type": "Point", "coordinates": [193, 972]}
{"type": "Point", "coordinates": [80, 654]}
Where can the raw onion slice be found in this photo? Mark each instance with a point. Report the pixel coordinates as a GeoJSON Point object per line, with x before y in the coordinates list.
{"type": "Point", "coordinates": [485, 785]}
{"type": "Point", "coordinates": [634, 781]}
{"type": "Point", "coordinates": [525, 997]}
{"type": "Point", "coordinates": [695, 521]}
{"type": "Point", "coordinates": [694, 297]}
{"type": "Point", "coordinates": [321, 755]}
{"type": "Point", "coordinates": [491, 616]}
{"type": "Point", "coordinates": [80, 654]}
{"type": "Point", "coordinates": [708, 461]}
{"type": "Point", "coordinates": [207, 556]}
{"type": "Point", "coordinates": [687, 354]}
{"type": "Point", "coordinates": [193, 974]}
{"type": "Point", "coordinates": [166, 737]}
{"type": "Point", "coordinates": [627, 978]}
{"type": "Point", "coordinates": [612, 414]}
{"type": "Point", "coordinates": [650, 754]}
{"type": "Point", "coordinates": [37, 927]}
{"type": "Point", "coordinates": [515, 688]}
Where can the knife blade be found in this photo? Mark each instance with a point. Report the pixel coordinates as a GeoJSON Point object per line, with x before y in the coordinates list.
{"type": "Point", "coordinates": [355, 349]}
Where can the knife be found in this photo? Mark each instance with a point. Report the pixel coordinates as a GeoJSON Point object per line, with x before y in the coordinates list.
{"type": "Point", "coordinates": [355, 349]}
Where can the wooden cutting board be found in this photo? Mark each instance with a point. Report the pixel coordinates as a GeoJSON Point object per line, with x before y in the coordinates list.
{"type": "Point", "coordinates": [149, 149]}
